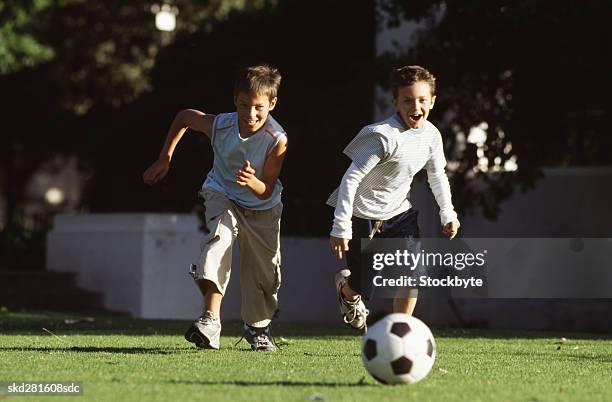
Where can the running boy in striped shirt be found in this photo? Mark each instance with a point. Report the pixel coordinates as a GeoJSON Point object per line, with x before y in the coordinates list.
{"type": "Point", "coordinates": [373, 198]}
{"type": "Point", "coordinates": [242, 196]}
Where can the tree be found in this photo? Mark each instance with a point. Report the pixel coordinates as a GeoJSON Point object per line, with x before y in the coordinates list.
{"type": "Point", "coordinates": [326, 96]}
{"type": "Point", "coordinates": [533, 71]}
{"type": "Point", "coordinates": [65, 63]}
{"type": "Point", "coordinates": [530, 70]}
{"type": "Point", "coordinates": [18, 48]}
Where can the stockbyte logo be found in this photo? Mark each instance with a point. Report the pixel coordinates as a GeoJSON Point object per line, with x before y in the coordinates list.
{"type": "Point", "coordinates": [425, 281]}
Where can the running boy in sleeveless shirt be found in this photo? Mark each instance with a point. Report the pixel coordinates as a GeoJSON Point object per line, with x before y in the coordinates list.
{"type": "Point", "coordinates": [373, 198]}
{"type": "Point", "coordinates": [242, 196]}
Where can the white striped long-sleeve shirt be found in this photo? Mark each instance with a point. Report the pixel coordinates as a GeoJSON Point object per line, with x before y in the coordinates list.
{"type": "Point", "coordinates": [385, 158]}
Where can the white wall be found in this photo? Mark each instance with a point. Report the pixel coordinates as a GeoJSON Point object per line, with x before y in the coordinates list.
{"type": "Point", "coordinates": [140, 261]}
{"type": "Point", "coordinates": [566, 202]}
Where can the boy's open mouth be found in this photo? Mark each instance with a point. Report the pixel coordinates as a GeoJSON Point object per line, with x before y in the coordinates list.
{"type": "Point", "coordinates": [415, 118]}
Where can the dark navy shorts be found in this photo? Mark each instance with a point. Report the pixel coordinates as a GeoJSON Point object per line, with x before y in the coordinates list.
{"type": "Point", "coordinates": [402, 226]}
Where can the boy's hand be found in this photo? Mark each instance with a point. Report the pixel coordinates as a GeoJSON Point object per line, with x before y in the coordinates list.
{"type": "Point", "coordinates": [156, 171]}
{"type": "Point", "coordinates": [246, 175]}
{"type": "Point", "coordinates": [338, 245]}
{"type": "Point", "coordinates": [450, 229]}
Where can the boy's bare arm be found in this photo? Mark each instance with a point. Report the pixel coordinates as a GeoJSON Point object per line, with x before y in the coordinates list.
{"type": "Point", "coordinates": [188, 118]}
{"type": "Point", "coordinates": [263, 187]}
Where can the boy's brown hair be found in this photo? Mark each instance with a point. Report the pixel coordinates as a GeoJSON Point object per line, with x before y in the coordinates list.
{"type": "Point", "coordinates": [408, 75]}
{"type": "Point", "coordinates": [261, 79]}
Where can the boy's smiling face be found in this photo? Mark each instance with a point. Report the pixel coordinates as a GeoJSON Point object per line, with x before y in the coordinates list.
{"type": "Point", "coordinates": [413, 103]}
{"type": "Point", "coordinates": [253, 110]}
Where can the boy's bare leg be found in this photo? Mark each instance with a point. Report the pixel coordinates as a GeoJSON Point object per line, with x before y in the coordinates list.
{"type": "Point", "coordinates": [206, 330]}
{"type": "Point", "coordinates": [353, 310]}
{"type": "Point", "coordinates": [212, 296]}
{"type": "Point", "coordinates": [406, 305]}
{"type": "Point", "coordinates": [348, 293]}
{"type": "Point", "coordinates": [401, 304]}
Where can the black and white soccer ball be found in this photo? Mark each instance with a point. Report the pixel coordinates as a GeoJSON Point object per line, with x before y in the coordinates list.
{"type": "Point", "coordinates": [398, 349]}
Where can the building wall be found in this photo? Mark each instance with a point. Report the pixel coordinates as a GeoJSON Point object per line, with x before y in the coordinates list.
{"type": "Point", "coordinates": [140, 261]}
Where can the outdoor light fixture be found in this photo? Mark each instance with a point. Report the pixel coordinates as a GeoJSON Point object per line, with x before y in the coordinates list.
{"type": "Point", "coordinates": [54, 196]}
{"type": "Point", "coordinates": [165, 16]}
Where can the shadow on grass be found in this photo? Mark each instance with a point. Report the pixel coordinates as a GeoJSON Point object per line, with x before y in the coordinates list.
{"type": "Point", "coordinates": [94, 349]}
{"type": "Point", "coordinates": [230, 329]}
{"type": "Point", "coordinates": [158, 351]}
{"type": "Point", "coordinates": [280, 383]}
{"type": "Point", "coordinates": [470, 333]}
{"type": "Point", "coordinates": [32, 323]}
{"type": "Point", "coordinates": [547, 352]}
{"type": "Point", "coordinates": [560, 355]}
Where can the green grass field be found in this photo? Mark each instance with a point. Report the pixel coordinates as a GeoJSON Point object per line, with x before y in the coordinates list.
{"type": "Point", "coordinates": [118, 358]}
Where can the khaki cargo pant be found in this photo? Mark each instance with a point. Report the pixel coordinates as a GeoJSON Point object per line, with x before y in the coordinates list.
{"type": "Point", "coordinates": [258, 235]}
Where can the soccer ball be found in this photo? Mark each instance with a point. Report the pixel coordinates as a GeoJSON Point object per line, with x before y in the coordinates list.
{"type": "Point", "coordinates": [398, 349]}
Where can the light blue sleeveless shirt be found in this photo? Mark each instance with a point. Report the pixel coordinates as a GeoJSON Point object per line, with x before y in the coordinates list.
{"type": "Point", "coordinates": [230, 152]}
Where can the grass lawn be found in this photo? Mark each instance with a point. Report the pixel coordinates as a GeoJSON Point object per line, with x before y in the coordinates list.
{"type": "Point", "coordinates": [119, 358]}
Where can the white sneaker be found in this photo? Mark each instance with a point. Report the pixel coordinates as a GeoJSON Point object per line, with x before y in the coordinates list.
{"type": "Point", "coordinates": [354, 312]}
{"type": "Point", "coordinates": [205, 331]}
{"type": "Point", "coordinates": [260, 338]}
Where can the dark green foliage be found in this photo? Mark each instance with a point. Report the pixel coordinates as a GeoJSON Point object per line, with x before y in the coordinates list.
{"type": "Point", "coordinates": [534, 70]}
{"type": "Point", "coordinates": [326, 96]}
{"type": "Point", "coordinates": [18, 47]}
{"type": "Point", "coordinates": [21, 248]}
